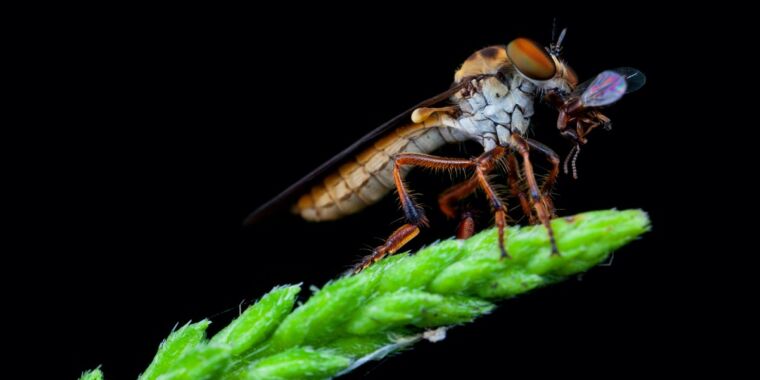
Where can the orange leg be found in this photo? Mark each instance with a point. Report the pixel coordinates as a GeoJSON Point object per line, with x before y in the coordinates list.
{"type": "Point", "coordinates": [398, 239]}
{"type": "Point", "coordinates": [536, 197]}
{"type": "Point", "coordinates": [448, 198]}
{"type": "Point", "coordinates": [486, 161]}
{"type": "Point", "coordinates": [551, 179]}
{"type": "Point", "coordinates": [415, 215]}
{"type": "Point", "coordinates": [466, 228]}
{"type": "Point", "coordinates": [513, 171]}
{"type": "Point", "coordinates": [500, 213]}
{"type": "Point", "coordinates": [456, 193]}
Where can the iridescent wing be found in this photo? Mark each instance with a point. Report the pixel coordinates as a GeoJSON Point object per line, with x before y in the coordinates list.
{"type": "Point", "coordinates": [609, 86]}
{"type": "Point", "coordinates": [635, 79]}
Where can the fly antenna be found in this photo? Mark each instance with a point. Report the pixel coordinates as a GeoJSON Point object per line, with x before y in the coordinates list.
{"type": "Point", "coordinates": [555, 48]}
{"type": "Point", "coordinates": [561, 38]}
{"type": "Point", "coordinates": [554, 28]}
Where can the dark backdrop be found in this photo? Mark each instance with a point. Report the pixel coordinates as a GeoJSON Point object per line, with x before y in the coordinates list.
{"type": "Point", "coordinates": [183, 121]}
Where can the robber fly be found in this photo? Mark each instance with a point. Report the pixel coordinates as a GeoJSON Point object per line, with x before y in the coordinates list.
{"type": "Point", "coordinates": [491, 102]}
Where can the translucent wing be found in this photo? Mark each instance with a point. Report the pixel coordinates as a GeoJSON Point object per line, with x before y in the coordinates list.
{"type": "Point", "coordinates": [607, 88]}
{"type": "Point", "coordinates": [288, 195]}
{"type": "Point", "coordinates": [634, 79]}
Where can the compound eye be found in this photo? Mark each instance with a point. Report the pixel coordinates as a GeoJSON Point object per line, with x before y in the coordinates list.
{"type": "Point", "coordinates": [531, 59]}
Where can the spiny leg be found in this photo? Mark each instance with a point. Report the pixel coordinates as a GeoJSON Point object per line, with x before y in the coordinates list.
{"type": "Point", "coordinates": [513, 173]}
{"type": "Point", "coordinates": [551, 179]}
{"type": "Point", "coordinates": [414, 214]}
{"type": "Point", "coordinates": [466, 227]}
{"type": "Point", "coordinates": [398, 239]}
{"type": "Point", "coordinates": [484, 164]}
{"type": "Point", "coordinates": [446, 200]}
{"type": "Point", "coordinates": [536, 197]}
{"type": "Point", "coordinates": [456, 193]}
{"type": "Point", "coordinates": [500, 214]}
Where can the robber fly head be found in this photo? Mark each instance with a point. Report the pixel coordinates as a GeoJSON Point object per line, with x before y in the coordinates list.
{"type": "Point", "coordinates": [542, 66]}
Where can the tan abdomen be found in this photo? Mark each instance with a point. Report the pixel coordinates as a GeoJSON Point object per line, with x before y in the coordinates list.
{"type": "Point", "coordinates": [365, 180]}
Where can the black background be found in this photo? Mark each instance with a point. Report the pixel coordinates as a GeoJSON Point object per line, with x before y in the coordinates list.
{"type": "Point", "coordinates": [177, 123]}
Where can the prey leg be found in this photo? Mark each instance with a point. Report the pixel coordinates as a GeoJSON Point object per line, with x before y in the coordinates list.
{"type": "Point", "coordinates": [414, 214]}
{"type": "Point", "coordinates": [536, 197]}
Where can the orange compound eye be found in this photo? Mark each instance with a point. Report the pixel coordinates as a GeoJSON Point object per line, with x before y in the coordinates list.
{"type": "Point", "coordinates": [531, 59]}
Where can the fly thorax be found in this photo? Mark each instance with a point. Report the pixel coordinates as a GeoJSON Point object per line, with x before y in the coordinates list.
{"type": "Point", "coordinates": [496, 109]}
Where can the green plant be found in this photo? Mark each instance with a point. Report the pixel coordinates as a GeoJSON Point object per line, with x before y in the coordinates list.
{"type": "Point", "coordinates": [391, 305]}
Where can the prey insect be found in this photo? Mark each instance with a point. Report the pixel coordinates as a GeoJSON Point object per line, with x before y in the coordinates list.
{"type": "Point", "coordinates": [582, 106]}
{"type": "Point", "coordinates": [491, 102]}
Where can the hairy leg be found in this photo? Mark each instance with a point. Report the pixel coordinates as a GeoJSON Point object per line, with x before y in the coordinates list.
{"type": "Point", "coordinates": [536, 197]}
{"type": "Point", "coordinates": [551, 179]}
{"type": "Point", "coordinates": [413, 213]}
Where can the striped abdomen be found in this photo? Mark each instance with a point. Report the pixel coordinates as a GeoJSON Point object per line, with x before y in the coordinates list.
{"type": "Point", "coordinates": [365, 180]}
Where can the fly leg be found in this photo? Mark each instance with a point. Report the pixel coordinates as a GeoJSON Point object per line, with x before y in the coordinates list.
{"type": "Point", "coordinates": [523, 148]}
{"type": "Point", "coordinates": [414, 214]}
{"type": "Point", "coordinates": [513, 173]}
{"type": "Point", "coordinates": [551, 179]}
{"type": "Point", "coordinates": [466, 227]}
{"type": "Point", "coordinates": [456, 193]}
{"type": "Point", "coordinates": [500, 209]}
{"type": "Point", "coordinates": [483, 165]}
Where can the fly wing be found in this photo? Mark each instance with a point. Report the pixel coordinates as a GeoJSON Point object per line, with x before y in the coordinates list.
{"type": "Point", "coordinates": [286, 197]}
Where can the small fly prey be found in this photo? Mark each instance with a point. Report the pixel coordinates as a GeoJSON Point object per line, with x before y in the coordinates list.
{"type": "Point", "coordinates": [491, 102]}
